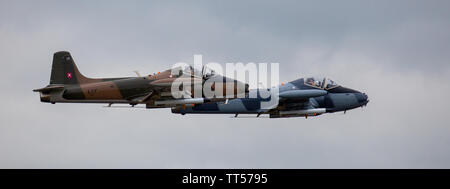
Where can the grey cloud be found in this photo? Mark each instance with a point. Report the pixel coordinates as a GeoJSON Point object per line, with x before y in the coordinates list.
{"type": "Point", "coordinates": [394, 51]}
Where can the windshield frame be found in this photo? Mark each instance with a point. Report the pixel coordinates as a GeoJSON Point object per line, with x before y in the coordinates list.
{"type": "Point", "coordinates": [327, 80]}
{"type": "Point", "coordinates": [208, 72]}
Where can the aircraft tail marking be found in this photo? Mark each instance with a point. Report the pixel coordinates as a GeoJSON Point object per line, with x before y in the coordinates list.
{"type": "Point", "coordinates": [64, 70]}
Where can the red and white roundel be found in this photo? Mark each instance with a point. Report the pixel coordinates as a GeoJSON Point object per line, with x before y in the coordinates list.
{"type": "Point", "coordinates": [69, 75]}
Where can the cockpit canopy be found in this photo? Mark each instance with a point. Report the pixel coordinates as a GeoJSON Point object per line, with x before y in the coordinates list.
{"type": "Point", "coordinates": [322, 83]}
{"type": "Point", "coordinates": [205, 71]}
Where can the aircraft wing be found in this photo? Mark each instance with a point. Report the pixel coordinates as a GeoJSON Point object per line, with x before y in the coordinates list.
{"type": "Point", "coordinates": [160, 94]}
{"type": "Point", "coordinates": [141, 98]}
{"type": "Point", "coordinates": [295, 103]}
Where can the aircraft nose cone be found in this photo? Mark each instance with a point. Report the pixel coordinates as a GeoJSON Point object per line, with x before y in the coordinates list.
{"type": "Point", "coordinates": [362, 98]}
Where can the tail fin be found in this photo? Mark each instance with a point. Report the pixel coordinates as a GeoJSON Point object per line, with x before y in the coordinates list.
{"type": "Point", "coordinates": [64, 70]}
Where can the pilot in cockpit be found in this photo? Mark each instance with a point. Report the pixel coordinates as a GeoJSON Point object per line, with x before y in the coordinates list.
{"type": "Point", "coordinates": [317, 83]}
{"type": "Point", "coordinates": [310, 81]}
{"type": "Point", "coordinates": [313, 82]}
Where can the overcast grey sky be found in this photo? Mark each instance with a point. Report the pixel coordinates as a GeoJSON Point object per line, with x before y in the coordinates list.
{"type": "Point", "coordinates": [396, 51]}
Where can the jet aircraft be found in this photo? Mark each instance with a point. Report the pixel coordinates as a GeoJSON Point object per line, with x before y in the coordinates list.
{"type": "Point", "coordinates": [68, 85]}
{"type": "Point", "coordinates": [299, 98]}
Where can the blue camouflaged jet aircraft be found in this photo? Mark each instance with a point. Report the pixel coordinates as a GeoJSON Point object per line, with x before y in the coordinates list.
{"type": "Point", "coordinates": [300, 98]}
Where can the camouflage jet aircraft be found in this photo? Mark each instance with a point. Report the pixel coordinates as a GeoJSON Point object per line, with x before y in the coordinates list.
{"type": "Point", "coordinates": [299, 98]}
{"type": "Point", "coordinates": [68, 85]}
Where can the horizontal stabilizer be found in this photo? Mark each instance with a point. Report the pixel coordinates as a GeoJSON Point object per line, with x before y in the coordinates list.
{"type": "Point", "coordinates": [49, 88]}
